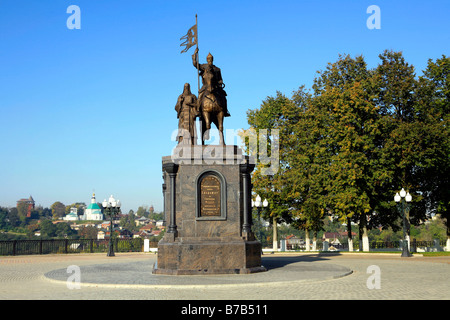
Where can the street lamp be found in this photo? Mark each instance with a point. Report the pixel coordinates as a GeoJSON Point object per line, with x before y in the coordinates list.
{"type": "Point", "coordinates": [258, 204]}
{"type": "Point", "coordinates": [404, 198]}
{"type": "Point", "coordinates": [111, 208]}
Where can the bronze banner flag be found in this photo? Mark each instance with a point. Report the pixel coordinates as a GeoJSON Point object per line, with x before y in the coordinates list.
{"type": "Point", "coordinates": [190, 39]}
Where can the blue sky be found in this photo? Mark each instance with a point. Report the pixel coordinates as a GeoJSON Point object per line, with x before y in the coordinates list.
{"type": "Point", "coordinates": [93, 109]}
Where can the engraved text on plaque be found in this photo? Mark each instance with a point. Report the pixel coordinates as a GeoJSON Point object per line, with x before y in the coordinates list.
{"type": "Point", "coordinates": [210, 196]}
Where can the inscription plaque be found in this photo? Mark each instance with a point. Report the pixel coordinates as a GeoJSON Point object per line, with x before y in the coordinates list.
{"type": "Point", "coordinates": [210, 196]}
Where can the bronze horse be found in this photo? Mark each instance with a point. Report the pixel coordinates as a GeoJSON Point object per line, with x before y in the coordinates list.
{"type": "Point", "coordinates": [211, 111]}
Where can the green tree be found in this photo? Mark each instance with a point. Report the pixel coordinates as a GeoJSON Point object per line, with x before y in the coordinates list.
{"type": "Point", "coordinates": [31, 229]}
{"type": "Point", "coordinates": [48, 229]}
{"type": "Point", "coordinates": [63, 230]}
{"type": "Point", "coordinates": [4, 225]}
{"type": "Point", "coordinates": [127, 221]}
{"type": "Point", "coordinates": [58, 210]}
{"type": "Point", "coordinates": [89, 232]}
{"type": "Point", "coordinates": [156, 216]}
{"type": "Point", "coordinates": [351, 139]}
{"type": "Point", "coordinates": [396, 87]}
{"type": "Point", "coordinates": [22, 210]}
{"type": "Point", "coordinates": [434, 107]}
{"type": "Point", "coordinates": [308, 158]}
{"type": "Point", "coordinates": [141, 211]}
{"type": "Point", "coordinates": [45, 213]}
{"type": "Point", "coordinates": [13, 217]}
{"type": "Point", "coordinates": [267, 140]}
{"type": "Point", "coordinates": [416, 129]}
{"type": "Point", "coordinates": [346, 149]}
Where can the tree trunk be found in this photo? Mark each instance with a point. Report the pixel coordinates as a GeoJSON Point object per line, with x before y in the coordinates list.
{"type": "Point", "coordinates": [275, 235]}
{"type": "Point", "coordinates": [365, 239]}
{"type": "Point", "coordinates": [360, 236]}
{"type": "Point", "coordinates": [447, 248]}
{"type": "Point", "coordinates": [306, 240]}
{"type": "Point", "coordinates": [364, 234]}
{"type": "Point", "coordinates": [314, 247]}
{"type": "Point", "coordinates": [349, 235]}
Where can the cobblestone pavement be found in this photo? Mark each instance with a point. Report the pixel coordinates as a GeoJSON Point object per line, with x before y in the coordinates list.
{"type": "Point", "coordinates": [39, 277]}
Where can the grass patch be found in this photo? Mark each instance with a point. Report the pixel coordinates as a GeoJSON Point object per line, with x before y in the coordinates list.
{"type": "Point", "coordinates": [436, 254]}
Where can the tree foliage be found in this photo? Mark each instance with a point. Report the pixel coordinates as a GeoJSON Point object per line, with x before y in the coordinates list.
{"type": "Point", "coordinates": [361, 135]}
{"type": "Point", "coordinates": [58, 210]}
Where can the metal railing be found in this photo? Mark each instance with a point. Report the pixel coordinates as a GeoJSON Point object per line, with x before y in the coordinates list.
{"type": "Point", "coordinates": [23, 247]}
{"type": "Point", "coordinates": [373, 245]}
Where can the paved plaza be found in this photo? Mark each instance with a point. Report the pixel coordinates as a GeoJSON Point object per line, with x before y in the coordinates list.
{"type": "Point", "coordinates": [290, 276]}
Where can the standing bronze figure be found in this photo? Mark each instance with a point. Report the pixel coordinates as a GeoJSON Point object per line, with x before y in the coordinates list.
{"type": "Point", "coordinates": [187, 111]}
{"type": "Point", "coordinates": [212, 101]}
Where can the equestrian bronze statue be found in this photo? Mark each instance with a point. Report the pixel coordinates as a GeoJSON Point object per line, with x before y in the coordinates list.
{"type": "Point", "coordinates": [212, 98]}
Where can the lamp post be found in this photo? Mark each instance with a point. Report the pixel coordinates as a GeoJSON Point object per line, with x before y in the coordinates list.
{"type": "Point", "coordinates": [258, 204]}
{"type": "Point", "coordinates": [403, 199]}
{"type": "Point", "coordinates": [111, 208]}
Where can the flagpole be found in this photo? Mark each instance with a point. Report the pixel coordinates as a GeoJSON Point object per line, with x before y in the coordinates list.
{"type": "Point", "coordinates": [198, 71]}
{"type": "Point", "coordinates": [198, 86]}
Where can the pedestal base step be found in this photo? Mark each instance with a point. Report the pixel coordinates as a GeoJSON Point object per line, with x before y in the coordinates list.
{"type": "Point", "coordinates": [194, 258]}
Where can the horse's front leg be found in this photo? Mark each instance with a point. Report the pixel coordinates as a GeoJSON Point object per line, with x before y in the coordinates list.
{"type": "Point", "coordinates": [219, 124]}
{"type": "Point", "coordinates": [206, 126]}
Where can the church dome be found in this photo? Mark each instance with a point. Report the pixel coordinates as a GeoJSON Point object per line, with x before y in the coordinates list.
{"type": "Point", "coordinates": [93, 206]}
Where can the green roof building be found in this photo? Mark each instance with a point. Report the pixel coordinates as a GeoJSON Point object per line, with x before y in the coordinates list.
{"type": "Point", "coordinates": [93, 211]}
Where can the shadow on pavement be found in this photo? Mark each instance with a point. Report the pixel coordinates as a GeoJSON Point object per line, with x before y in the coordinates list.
{"type": "Point", "coordinates": [274, 262]}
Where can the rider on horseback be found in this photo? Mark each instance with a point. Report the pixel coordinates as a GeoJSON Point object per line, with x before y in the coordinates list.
{"type": "Point", "coordinates": [213, 85]}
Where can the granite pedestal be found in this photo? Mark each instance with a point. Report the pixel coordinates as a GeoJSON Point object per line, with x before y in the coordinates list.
{"type": "Point", "coordinates": [207, 204]}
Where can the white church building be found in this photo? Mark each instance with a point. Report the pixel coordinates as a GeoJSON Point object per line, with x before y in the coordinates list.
{"type": "Point", "coordinates": [92, 212]}
{"type": "Point", "coordinates": [72, 216]}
